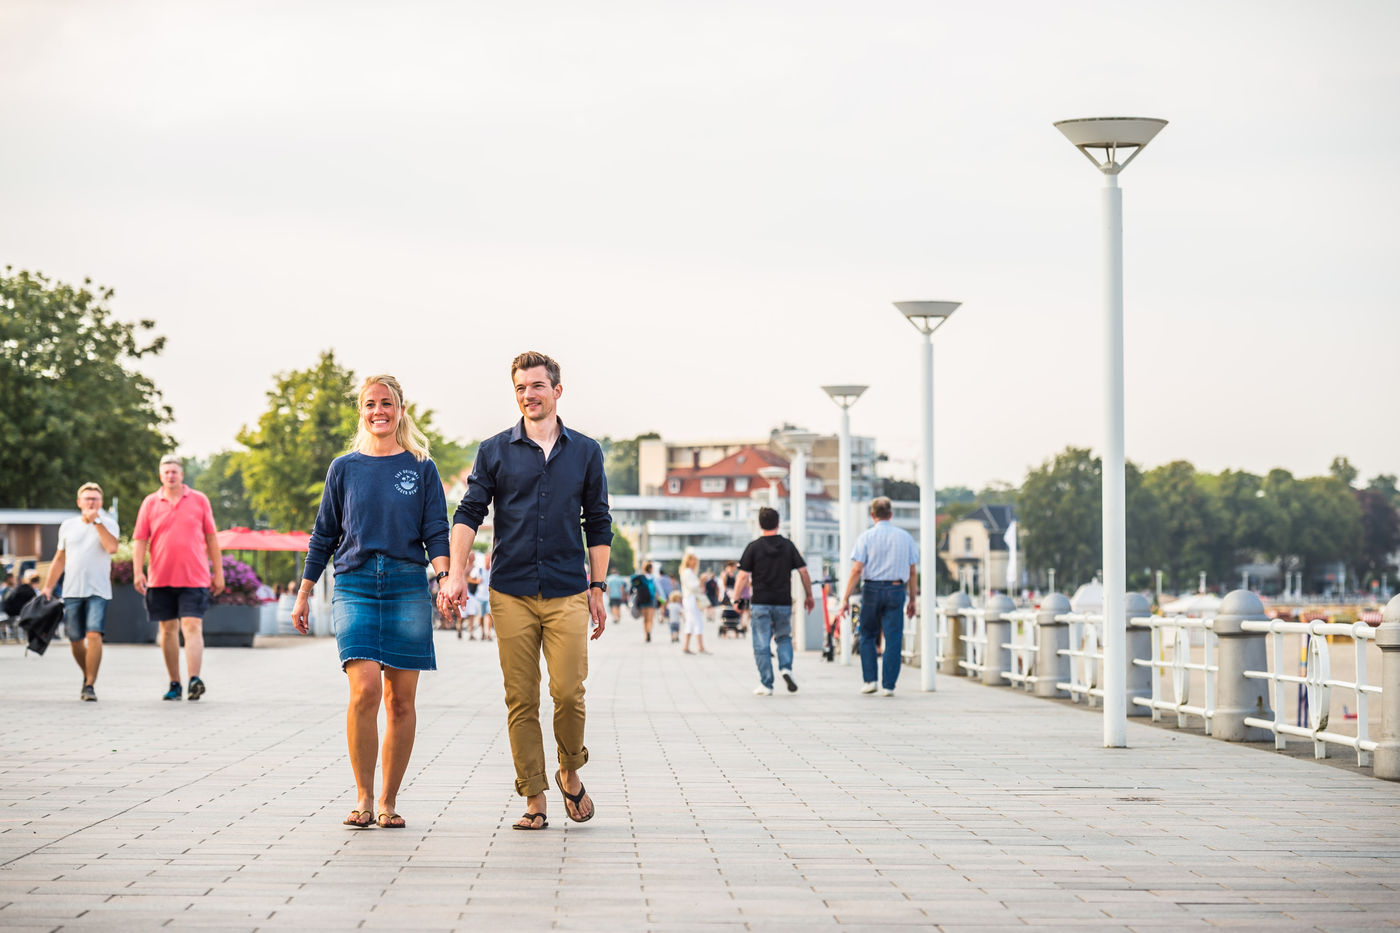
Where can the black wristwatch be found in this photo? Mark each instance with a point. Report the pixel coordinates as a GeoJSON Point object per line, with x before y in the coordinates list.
{"type": "Point", "coordinates": [598, 585]}
{"type": "Point", "coordinates": [441, 575]}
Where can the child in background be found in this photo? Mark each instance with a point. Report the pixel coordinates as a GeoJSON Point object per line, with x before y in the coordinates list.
{"type": "Point", "coordinates": [673, 615]}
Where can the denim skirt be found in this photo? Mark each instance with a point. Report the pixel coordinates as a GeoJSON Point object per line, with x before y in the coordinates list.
{"type": "Point", "coordinates": [383, 613]}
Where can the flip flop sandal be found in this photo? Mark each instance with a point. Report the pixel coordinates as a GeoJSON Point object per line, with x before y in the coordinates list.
{"type": "Point", "coordinates": [575, 799]}
{"type": "Point", "coordinates": [360, 819]}
{"type": "Point", "coordinates": [386, 821]}
{"type": "Point", "coordinates": [544, 824]}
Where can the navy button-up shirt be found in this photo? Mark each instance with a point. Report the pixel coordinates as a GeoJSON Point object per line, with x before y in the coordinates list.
{"type": "Point", "coordinates": [537, 549]}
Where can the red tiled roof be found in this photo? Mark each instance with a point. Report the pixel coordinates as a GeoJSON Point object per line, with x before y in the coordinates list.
{"type": "Point", "coordinates": [745, 462]}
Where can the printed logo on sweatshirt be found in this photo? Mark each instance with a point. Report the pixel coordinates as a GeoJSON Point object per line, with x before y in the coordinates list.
{"type": "Point", "coordinates": [406, 482]}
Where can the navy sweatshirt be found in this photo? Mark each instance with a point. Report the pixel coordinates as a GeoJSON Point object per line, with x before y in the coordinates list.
{"type": "Point", "coordinates": [393, 506]}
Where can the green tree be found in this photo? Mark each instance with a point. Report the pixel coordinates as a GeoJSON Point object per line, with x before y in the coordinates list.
{"type": "Point", "coordinates": [901, 490]}
{"type": "Point", "coordinates": [1380, 534]}
{"type": "Point", "coordinates": [1184, 523]}
{"type": "Point", "coordinates": [1060, 509]}
{"type": "Point", "coordinates": [621, 463]}
{"type": "Point", "coordinates": [1330, 522]}
{"type": "Point", "coordinates": [310, 420]}
{"type": "Point", "coordinates": [622, 558]}
{"type": "Point", "coordinates": [76, 410]}
{"type": "Point", "coordinates": [1342, 469]}
{"type": "Point", "coordinates": [1385, 485]}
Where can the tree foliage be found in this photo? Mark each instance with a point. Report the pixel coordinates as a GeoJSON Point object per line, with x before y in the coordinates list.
{"type": "Point", "coordinates": [621, 463]}
{"type": "Point", "coordinates": [76, 410]}
{"type": "Point", "coordinates": [622, 557]}
{"type": "Point", "coordinates": [1060, 509]}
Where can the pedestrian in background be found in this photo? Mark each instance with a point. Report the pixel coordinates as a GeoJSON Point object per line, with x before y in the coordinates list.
{"type": "Point", "coordinates": [86, 543]}
{"type": "Point", "coordinates": [382, 510]}
{"type": "Point", "coordinates": [767, 564]}
{"type": "Point", "coordinates": [691, 591]}
{"type": "Point", "coordinates": [175, 525]}
{"type": "Point", "coordinates": [885, 560]}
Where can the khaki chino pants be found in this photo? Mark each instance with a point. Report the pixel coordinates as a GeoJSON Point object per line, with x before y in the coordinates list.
{"type": "Point", "coordinates": [525, 625]}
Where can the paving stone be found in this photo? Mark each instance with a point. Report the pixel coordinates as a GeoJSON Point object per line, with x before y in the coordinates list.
{"type": "Point", "coordinates": [971, 808]}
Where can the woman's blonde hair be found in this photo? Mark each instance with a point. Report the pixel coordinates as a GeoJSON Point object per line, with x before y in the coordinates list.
{"type": "Point", "coordinates": [407, 434]}
{"type": "Point", "coordinates": [689, 556]}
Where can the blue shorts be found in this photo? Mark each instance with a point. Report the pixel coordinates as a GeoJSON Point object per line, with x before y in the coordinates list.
{"type": "Point", "coordinates": [84, 615]}
{"type": "Point", "coordinates": [383, 613]}
{"type": "Point", "coordinates": [164, 603]}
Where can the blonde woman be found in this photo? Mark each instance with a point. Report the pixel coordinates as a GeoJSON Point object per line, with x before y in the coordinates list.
{"type": "Point", "coordinates": [691, 592]}
{"type": "Point", "coordinates": [383, 509]}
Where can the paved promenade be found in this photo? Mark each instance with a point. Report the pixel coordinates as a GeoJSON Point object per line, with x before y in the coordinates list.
{"type": "Point", "coordinates": [972, 808]}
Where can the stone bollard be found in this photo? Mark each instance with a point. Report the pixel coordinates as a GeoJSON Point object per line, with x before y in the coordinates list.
{"type": "Point", "coordinates": [953, 646]}
{"type": "Point", "coordinates": [1139, 645]}
{"type": "Point", "coordinates": [997, 659]}
{"type": "Point", "coordinates": [1235, 696]}
{"type": "Point", "coordinates": [1386, 763]}
{"type": "Point", "coordinates": [1051, 667]}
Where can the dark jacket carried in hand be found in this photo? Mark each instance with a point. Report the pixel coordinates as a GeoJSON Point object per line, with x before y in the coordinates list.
{"type": "Point", "coordinates": [40, 619]}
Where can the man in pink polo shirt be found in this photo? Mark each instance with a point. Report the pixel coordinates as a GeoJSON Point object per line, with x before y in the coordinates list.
{"type": "Point", "coordinates": [176, 524]}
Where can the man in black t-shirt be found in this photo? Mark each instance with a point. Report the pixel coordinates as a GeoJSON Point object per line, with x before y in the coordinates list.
{"type": "Point", "coordinates": [769, 561]}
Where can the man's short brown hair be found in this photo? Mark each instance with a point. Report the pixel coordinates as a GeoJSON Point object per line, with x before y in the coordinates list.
{"type": "Point", "coordinates": [529, 360]}
{"type": "Point", "coordinates": [881, 508]}
{"type": "Point", "coordinates": [85, 487]}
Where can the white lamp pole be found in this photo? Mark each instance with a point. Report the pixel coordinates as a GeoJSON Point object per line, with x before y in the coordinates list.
{"type": "Point", "coordinates": [845, 396]}
{"type": "Point", "coordinates": [1113, 134]}
{"type": "Point", "coordinates": [801, 443]}
{"type": "Point", "coordinates": [927, 317]}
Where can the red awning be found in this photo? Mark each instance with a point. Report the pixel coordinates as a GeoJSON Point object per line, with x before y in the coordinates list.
{"type": "Point", "coordinates": [243, 539]}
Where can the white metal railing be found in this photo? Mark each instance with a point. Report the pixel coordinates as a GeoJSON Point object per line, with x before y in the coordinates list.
{"type": "Point", "coordinates": [1174, 632]}
{"type": "Point", "coordinates": [1317, 681]}
{"type": "Point", "coordinates": [1085, 656]}
{"type": "Point", "coordinates": [974, 641]}
{"type": "Point", "coordinates": [1023, 647]}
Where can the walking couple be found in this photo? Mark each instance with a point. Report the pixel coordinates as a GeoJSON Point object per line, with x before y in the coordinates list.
{"type": "Point", "coordinates": [384, 509]}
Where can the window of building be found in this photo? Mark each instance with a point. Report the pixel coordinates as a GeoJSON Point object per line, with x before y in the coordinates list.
{"type": "Point", "coordinates": [712, 484]}
{"type": "Point", "coordinates": [967, 545]}
{"type": "Point", "coordinates": [674, 484]}
{"type": "Point", "coordinates": [741, 484]}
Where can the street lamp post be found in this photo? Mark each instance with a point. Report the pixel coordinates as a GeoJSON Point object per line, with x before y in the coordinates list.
{"type": "Point", "coordinates": [801, 443]}
{"type": "Point", "coordinates": [774, 475]}
{"type": "Point", "coordinates": [845, 396]}
{"type": "Point", "coordinates": [927, 317]}
{"type": "Point", "coordinates": [1112, 135]}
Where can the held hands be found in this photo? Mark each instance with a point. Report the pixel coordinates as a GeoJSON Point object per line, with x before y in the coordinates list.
{"type": "Point", "coordinates": [597, 611]}
{"type": "Point", "coordinates": [452, 593]}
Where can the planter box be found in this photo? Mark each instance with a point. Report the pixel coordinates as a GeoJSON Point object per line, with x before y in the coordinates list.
{"type": "Point", "coordinates": [126, 618]}
{"type": "Point", "coordinates": [224, 626]}
{"type": "Point", "coordinates": [231, 626]}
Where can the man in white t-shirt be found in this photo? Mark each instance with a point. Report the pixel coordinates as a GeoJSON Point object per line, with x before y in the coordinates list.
{"type": "Point", "coordinates": [86, 544]}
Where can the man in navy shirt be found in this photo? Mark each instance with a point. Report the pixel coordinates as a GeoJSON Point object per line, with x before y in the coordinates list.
{"type": "Point", "coordinates": [546, 483]}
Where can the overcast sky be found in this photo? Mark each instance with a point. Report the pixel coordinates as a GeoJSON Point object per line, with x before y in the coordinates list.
{"type": "Point", "coordinates": [705, 210]}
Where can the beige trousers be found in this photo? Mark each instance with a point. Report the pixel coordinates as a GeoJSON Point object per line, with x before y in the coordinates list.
{"type": "Point", "coordinates": [525, 626]}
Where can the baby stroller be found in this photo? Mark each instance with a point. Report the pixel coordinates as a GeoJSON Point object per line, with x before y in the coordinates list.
{"type": "Point", "coordinates": [731, 621]}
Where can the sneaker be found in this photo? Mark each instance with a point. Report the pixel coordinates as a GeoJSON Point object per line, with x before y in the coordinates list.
{"type": "Point", "coordinates": [886, 692]}
{"type": "Point", "coordinates": [791, 684]}
{"type": "Point", "coordinates": [174, 692]}
{"type": "Point", "coordinates": [196, 688]}
{"type": "Point", "coordinates": [88, 694]}
{"type": "Point", "coordinates": [762, 691]}
{"type": "Point", "coordinates": [870, 687]}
